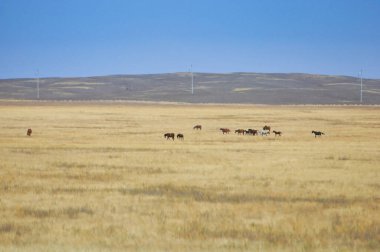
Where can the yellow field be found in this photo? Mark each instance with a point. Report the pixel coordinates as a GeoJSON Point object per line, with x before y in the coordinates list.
{"type": "Point", "coordinates": [95, 177]}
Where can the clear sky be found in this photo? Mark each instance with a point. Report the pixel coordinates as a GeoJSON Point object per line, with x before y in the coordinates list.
{"type": "Point", "coordinates": [102, 37]}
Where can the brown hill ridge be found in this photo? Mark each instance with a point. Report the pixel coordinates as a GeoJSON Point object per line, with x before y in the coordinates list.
{"type": "Point", "coordinates": [253, 88]}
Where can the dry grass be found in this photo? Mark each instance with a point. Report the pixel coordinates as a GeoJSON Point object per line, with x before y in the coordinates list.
{"type": "Point", "coordinates": [101, 177]}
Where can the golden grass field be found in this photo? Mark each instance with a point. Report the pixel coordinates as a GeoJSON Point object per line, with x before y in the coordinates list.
{"type": "Point", "coordinates": [99, 177]}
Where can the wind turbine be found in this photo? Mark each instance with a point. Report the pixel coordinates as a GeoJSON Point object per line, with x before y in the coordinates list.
{"type": "Point", "coordinates": [361, 85]}
{"type": "Point", "coordinates": [192, 79]}
{"type": "Point", "coordinates": [38, 84]}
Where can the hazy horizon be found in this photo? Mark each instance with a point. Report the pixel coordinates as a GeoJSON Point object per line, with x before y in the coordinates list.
{"type": "Point", "coordinates": [198, 72]}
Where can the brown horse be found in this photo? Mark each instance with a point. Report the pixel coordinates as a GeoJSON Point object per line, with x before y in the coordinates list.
{"type": "Point", "coordinates": [266, 127]}
{"type": "Point", "coordinates": [29, 132]}
{"type": "Point", "coordinates": [240, 131]}
{"type": "Point", "coordinates": [169, 135]}
{"type": "Point", "coordinates": [180, 136]}
{"type": "Point", "coordinates": [225, 130]}
{"type": "Point", "coordinates": [197, 127]}
{"type": "Point", "coordinates": [277, 133]}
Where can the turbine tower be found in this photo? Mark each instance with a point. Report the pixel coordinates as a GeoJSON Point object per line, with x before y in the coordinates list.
{"type": "Point", "coordinates": [38, 84]}
{"type": "Point", "coordinates": [192, 79]}
{"type": "Point", "coordinates": [361, 85]}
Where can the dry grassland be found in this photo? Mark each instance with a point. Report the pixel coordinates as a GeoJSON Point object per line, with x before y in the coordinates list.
{"type": "Point", "coordinates": [95, 177]}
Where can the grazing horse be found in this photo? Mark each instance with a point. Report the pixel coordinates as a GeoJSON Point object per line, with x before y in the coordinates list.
{"type": "Point", "coordinates": [266, 127]}
{"type": "Point", "coordinates": [317, 133]}
{"type": "Point", "coordinates": [197, 127]}
{"type": "Point", "coordinates": [29, 132]}
{"type": "Point", "coordinates": [169, 135]}
{"type": "Point", "coordinates": [225, 130]}
{"type": "Point", "coordinates": [180, 136]}
{"type": "Point", "coordinates": [277, 133]}
{"type": "Point", "coordinates": [240, 131]}
{"type": "Point", "coordinates": [251, 132]}
{"type": "Point", "coordinates": [264, 132]}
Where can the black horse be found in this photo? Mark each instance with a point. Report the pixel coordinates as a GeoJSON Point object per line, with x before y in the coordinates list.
{"type": "Point", "coordinates": [169, 135]}
{"type": "Point", "coordinates": [29, 132]}
{"type": "Point", "coordinates": [317, 133]}
{"type": "Point", "coordinates": [251, 132]}
{"type": "Point", "coordinates": [197, 127]}
{"type": "Point", "coordinates": [277, 133]}
{"type": "Point", "coordinates": [180, 136]}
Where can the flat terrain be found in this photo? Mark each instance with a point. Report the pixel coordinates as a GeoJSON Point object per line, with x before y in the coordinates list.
{"type": "Point", "coordinates": [249, 88]}
{"type": "Point", "coordinates": [96, 177]}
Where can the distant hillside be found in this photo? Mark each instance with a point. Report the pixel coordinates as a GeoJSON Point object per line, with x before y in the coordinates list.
{"type": "Point", "coordinates": [256, 88]}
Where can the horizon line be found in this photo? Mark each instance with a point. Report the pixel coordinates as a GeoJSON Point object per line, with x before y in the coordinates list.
{"type": "Point", "coordinates": [183, 72]}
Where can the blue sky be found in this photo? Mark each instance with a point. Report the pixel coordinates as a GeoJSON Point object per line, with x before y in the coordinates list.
{"type": "Point", "coordinates": [87, 38]}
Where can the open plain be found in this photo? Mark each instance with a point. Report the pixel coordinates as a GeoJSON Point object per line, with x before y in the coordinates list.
{"type": "Point", "coordinates": [101, 176]}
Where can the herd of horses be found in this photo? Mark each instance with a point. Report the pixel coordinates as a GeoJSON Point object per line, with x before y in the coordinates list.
{"type": "Point", "coordinates": [266, 130]}
{"type": "Point", "coordinates": [172, 135]}
{"type": "Point", "coordinates": [263, 132]}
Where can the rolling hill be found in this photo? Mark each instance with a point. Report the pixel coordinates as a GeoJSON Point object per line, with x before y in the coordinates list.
{"type": "Point", "coordinates": [253, 88]}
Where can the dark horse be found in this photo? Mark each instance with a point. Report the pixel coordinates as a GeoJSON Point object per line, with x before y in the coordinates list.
{"type": "Point", "coordinates": [251, 132]}
{"type": "Point", "coordinates": [240, 131]}
{"type": "Point", "coordinates": [277, 133]}
{"type": "Point", "coordinates": [266, 127]}
{"type": "Point", "coordinates": [317, 133]}
{"type": "Point", "coordinates": [180, 136]}
{"type": "Point", "coordinates": [197, 127]}
{"type": "Point", "coordinates": [225, 130]}
{"type": "Point", "coordinates": [169, 135]}
{"type": "Point", "coordinates": [29, 132]}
